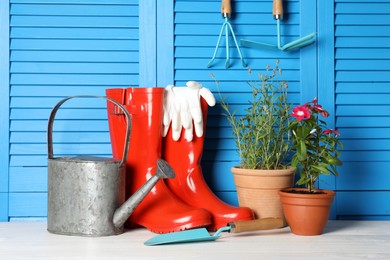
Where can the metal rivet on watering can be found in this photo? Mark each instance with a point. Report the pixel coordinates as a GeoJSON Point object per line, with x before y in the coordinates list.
{"type": "Point", "coordinates": [86, 194]}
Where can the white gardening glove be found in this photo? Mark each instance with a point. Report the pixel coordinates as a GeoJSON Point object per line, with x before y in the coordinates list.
{"type": "Point", "coordinates": [182, 107]}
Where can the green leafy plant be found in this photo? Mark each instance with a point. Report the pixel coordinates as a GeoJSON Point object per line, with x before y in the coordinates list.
{"type": "Point", "coordinates": [262, 135]}
{"type": "Point", "coordinates": [315, 146]}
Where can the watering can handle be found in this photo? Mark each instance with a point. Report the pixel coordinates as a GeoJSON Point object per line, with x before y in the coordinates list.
{"type": "Point", "coordinates": [226, 8]}
{"type": "Point", "coordinates": [54, 111]}
{"type": "Point", "coordinates": [277, 9]}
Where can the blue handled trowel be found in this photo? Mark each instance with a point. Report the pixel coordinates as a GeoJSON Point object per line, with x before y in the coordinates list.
{"type": "Point", "coordinates": [202, 235]}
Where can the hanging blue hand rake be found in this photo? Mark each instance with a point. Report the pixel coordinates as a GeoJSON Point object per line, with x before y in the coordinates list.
{"type": "Point", "coordinates": [226, 26]}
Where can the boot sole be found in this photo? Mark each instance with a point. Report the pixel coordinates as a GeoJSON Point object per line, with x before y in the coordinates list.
{"type": "Point", "coordinates": [159, 230]}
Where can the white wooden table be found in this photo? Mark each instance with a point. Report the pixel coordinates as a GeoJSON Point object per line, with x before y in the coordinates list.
{"type": "Point", "coordinates": [341, 240]}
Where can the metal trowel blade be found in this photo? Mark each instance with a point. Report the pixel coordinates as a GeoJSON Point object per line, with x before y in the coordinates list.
{"type": "Point", "coordinates": [300, 43]}
{"type": "Point", "coordinates": [254, 44]}
{"type": "Point", "coordinates": [187, 236]}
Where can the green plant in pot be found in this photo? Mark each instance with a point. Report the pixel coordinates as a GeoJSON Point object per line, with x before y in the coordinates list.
{"type": "Point", "coordinates": [316, 153]}
{"type": "Point", "coordinates": [262, 138]}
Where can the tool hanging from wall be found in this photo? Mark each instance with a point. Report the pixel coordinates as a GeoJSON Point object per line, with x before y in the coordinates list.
{"type": "Point", "coordinates": [226, 11]}
{"type": "Point", "coordinates": [277, 12]}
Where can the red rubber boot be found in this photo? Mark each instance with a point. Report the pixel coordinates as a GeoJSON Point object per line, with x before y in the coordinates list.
{"type": "Point", "coordinates": [161, 211]}
{"type": "Point", "coordinates": [189, 184]}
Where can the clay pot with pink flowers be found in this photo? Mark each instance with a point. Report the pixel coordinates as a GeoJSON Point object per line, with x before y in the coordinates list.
{"type": "Point", "coordinates": [315, 153]}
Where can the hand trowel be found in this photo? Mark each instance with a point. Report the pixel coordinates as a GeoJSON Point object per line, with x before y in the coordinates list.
{"type": "Point", "coordinates": [202, 235]}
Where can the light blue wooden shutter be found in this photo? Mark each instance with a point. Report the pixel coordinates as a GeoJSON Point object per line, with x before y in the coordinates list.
{"type": "Point", "coordinates": [60, 48]}
{"type": "Point", "coordinates": [197, 26]}
{"type": "Point", "coordinates": [362, 30]}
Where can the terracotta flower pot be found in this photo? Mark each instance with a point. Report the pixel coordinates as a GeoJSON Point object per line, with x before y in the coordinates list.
{"type": "Point", "coordinates": [258, 189]}
{"type": "Point", "coordinates": [306, 214]}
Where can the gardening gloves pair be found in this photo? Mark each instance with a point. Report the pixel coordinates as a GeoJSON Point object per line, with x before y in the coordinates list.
{"type": "Point", "coordinates": [182, 107]}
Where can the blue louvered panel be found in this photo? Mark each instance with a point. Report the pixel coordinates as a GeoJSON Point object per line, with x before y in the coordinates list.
{"type": "Point", "coordinates": [197, 26]}
{"type": "Point", "coordinates": [363, 106]}
{"type": "Point", "coordinates": [371, 203]}
{"type": "Point", "coordinates": [37, 183]}
{"type": "Point", "coordinates": [4, 110]}
{"type": "Point", "coordinates": [24, 204]}
{"type": "Point", "coordinates": [58, 49]}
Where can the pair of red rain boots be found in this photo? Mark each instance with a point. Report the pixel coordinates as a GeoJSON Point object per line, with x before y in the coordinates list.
{"type": "Point", "coordinates": [184, 202]}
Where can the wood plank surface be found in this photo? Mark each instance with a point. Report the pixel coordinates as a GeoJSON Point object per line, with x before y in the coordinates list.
{"type": "Point", "coordinates": [341, 240]}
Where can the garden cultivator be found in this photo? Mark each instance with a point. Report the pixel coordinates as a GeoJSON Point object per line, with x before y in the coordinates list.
{"type": "Point", "coordinates": [226, 26]}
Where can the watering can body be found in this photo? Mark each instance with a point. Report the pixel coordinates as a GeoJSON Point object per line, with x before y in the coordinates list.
{"type": "Point", "coordinates": [83, 195]}
{"type": "Point", "coordinates": [86, 194]}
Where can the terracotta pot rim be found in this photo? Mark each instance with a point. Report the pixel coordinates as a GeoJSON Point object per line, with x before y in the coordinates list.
{"type": "Point", "coordinates": [328, 193]}
{"type": "Point", "coordinates": [270, 173]}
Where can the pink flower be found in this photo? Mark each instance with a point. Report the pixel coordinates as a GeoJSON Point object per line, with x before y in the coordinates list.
{"type": "Point", "coordinates": [331, 131]}
{"type": "Point", "coordinates": [317, 108]}
{"type": "Point", "coordinates": [301, 112]}
{"type": "Point", "coordinates": [320, 110]}
{"type": "Point", "coordinates": [324, 113]}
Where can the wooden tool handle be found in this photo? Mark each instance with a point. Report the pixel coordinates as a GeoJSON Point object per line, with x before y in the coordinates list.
{"type": "Point", "coordinates": [257, 224]}
{"type": "Point", "coordinates": [226, 8]}
{"type": "Point", "coordinates": [277, 9]}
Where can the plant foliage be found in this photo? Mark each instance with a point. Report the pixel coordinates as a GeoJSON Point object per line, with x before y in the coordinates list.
{"type": "Point", "coordinates": [315, 146]}
{"type": "Point", "coordinates": [262, 134]}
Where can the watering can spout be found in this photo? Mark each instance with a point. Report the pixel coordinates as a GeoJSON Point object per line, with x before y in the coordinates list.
{"type": "Point", "coordinates": [164, 170]}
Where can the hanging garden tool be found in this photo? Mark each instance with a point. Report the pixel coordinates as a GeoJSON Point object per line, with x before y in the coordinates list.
{"type": "Point", "coordinates": [277, 12]}
{"type": "Point", "coordinates": [226, 11]}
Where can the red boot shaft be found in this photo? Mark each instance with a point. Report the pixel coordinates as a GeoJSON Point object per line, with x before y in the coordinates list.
{"type": "Point", "coordinates": [161, 211]}
{"type": "Point", "coordinates": [189, 184]}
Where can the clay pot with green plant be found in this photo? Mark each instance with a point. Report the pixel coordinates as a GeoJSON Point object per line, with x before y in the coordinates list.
{"type": "Point", "coordinates": [316, 153]}
{"type": "Point", "coordinates": [262, 139]}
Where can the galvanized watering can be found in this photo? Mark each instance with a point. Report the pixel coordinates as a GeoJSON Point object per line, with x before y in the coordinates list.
{"type": "Point", "coordinates": [86, 194]}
